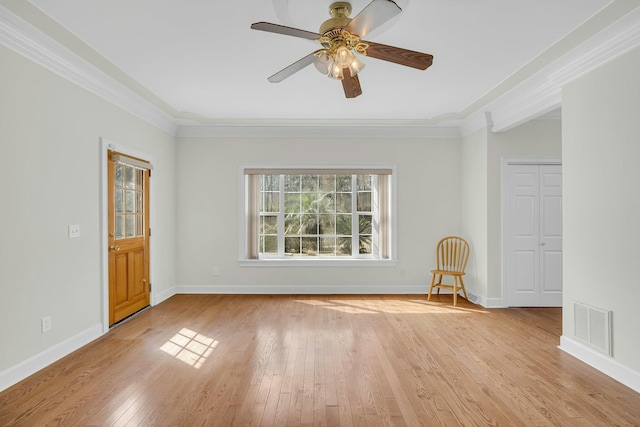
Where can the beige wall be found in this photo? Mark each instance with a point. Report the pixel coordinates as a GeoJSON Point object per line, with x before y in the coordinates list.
{"type": "Point", "coordinates": [49, 133]}
{"type": "Point", "coordinates": [469, 187]}
{"type": "Point", "coordinates": [474, 209]}
{"type": "Point", "coordinates": [601, 148]}
{"type": "Point", "coordinates": [209, 216]}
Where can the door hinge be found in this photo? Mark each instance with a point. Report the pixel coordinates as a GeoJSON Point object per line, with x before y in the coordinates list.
{"type": "Point", "coordinates": [149, 232]}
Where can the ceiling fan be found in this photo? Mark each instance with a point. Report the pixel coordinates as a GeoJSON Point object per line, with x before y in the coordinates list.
{"type": "Point", "coordinates": [340, 36]}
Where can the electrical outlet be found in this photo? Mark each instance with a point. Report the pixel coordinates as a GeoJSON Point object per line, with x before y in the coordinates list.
{"type": "Point", "coordinates": [46, 324]}
{"type": "Point", "coordinates": [74, 231]}
{"type": "Point", "coordinates": [216, 271]}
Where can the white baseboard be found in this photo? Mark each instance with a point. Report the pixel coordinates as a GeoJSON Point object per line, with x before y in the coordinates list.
{"type": "Point", "coordinates": [164, 295]}
{"type": "Point", "coordinates": [300, 290]}
{"type": "Point", "coordinates": [32, 365]}
{"type": "Point", "coordinates": [601, 362]}
{"type": "Point", "coordinates": [492, 302]}
{"type": "Point", "coordinates": [483, 301]}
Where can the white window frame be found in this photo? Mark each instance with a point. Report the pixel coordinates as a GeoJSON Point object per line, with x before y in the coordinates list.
{"type": "Point", "coordinates": [243, 258]}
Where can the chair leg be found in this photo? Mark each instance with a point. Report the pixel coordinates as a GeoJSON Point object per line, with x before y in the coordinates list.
{"type": "Point", "coordinates": [439, 283]}
{"type": "Point", "coordinates": [433, 279]}
{"type": "Point", "coordinates": [463, 289]}
{"type": "Point", "coordinates": [455, 290]}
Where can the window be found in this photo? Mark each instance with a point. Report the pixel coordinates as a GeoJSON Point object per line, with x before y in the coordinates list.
{"type": "Point", "coordinates": [312, 214]}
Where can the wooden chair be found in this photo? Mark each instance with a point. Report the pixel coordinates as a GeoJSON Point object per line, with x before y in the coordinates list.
{"type": "Point", "coordinates": [452, 254]}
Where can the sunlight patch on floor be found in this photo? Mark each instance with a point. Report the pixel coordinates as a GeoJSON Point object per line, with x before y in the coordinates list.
{"type": "Point", "coordinates": [390, 306]}
{"type": "Point", "coordinates": [190, 347]}
{"type": "Point", "coordinates": [337, 306]}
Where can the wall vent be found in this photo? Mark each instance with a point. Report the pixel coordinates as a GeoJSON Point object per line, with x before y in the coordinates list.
{"type": "Point", "coordinates": [592, 326]}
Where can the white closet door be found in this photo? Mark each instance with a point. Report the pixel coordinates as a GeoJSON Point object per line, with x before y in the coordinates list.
{"type": "Point", "coordinates": [534, 235]}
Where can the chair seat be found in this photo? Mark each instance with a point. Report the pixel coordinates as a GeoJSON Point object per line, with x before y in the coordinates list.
{"type": "Point", "coordinates": [448, 272]}
{"type": "Point", "coordinates": [451, 287]}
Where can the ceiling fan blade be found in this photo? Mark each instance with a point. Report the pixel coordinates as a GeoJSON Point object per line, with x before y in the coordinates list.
{"type": "Point", "coordinates": [410, 58]}
{"type": "Point", "coordinates": [293, 68]}
{"type": "Point", "coordinates": [372, 16]}
{"type": "Point", "coordinates": [287, 31]}
{"type": "Point", "coordinates": [351, 84]}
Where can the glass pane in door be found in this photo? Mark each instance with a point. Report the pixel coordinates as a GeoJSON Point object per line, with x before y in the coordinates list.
{"type": "Point", "coordinates": [129, 201]}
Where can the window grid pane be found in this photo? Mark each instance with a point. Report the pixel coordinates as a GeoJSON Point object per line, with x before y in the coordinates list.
{"type": "Point", "coordinates": [318, 214]}
{"type": "Point", "coordinates": [364, 207]}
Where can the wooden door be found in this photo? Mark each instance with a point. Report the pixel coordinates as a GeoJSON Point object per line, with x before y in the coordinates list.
{"type": "Point", "coordinates": [128, 205]}
{"type": "Point", "coordinates": [534, 236]}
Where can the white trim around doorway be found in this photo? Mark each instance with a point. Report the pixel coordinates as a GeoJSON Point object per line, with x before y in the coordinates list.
{"type": "Point", "coordinates": [105, 146]}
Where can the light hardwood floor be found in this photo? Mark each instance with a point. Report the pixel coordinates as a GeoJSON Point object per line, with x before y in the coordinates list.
{"type": "Point", "coordinates": [323, 360]}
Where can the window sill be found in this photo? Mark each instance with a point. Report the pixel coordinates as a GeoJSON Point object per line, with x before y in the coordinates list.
{"type": "Point", "coordinates": [317, 263]}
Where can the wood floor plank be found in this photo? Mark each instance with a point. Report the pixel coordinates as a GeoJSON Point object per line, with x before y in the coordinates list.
{"type": "Point", "coordinates": [308, 375]}
{"type": "Point", "coordinates": [272, 360]}
{"type": "Point", "coordinates": [318, 397]}
{"type": "Point", "coordinates": [342, 393]}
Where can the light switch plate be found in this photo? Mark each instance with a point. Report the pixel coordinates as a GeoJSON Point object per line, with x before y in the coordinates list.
{"type": "Point", "coordinates": [74, 231]}
{"type": "Point", "coordinates": [46, 324]}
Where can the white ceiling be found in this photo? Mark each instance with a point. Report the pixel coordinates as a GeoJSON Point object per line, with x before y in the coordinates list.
{"type": "Point", "coordinates": [199, 58]}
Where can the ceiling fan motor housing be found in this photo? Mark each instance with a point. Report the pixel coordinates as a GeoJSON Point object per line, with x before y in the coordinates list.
{"type": "Point", "coordinates": [339, 12]}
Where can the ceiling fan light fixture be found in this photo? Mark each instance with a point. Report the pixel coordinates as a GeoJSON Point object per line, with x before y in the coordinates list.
{"type": "Point", "coordinates": [355, 66]}
{"type": "Point", "coordinates": [336, 72]}
{"type": "Point", "coordinates": [322, 62]}
{"type": "Point", "coordinates": [343, 57]}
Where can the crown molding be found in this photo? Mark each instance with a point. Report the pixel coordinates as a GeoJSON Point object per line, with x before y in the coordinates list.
{"type": "Point", "coordinates": [542, 92]}
{"type": "Point", "coordinates": [36, 46]}
{"type": "Point", "coordinates": [325, 129]}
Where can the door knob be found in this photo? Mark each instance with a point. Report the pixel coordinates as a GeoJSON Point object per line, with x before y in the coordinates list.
{"type": "Point", "coordinates": [114, 248]}
{"type": "Point", "coordinates": [542, 244]}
